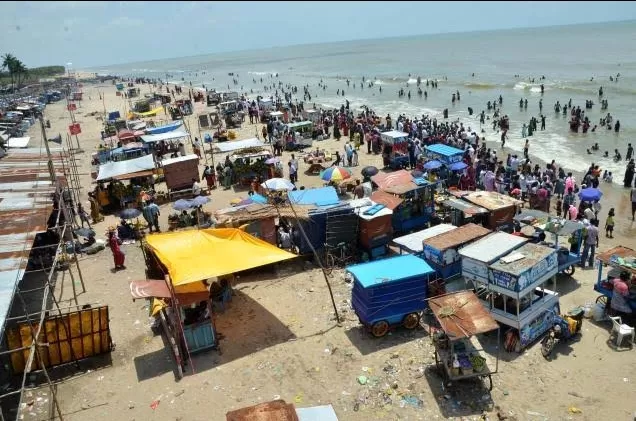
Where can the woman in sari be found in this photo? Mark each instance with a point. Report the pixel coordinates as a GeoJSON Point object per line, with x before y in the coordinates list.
{"type": "Point", "coordinates": [118, 255]}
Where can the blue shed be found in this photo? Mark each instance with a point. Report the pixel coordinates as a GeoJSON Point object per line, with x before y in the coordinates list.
{"type": "Point", "coordinates": [445, 154]}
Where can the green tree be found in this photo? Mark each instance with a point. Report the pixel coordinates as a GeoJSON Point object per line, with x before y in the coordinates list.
{"type": "Point", "coordinates": [17, 70]}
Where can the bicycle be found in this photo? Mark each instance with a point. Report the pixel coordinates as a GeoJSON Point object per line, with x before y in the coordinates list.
{"type": "Point", "coordinates": [338, 256]}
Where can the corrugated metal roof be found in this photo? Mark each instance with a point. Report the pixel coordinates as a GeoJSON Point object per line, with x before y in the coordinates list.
{"type": "Point", "coordinates": [462, 315]}
{"type": "Point", "coordinates": [532, 254]}
{"type": "Point", "coordinates": [491, 200]}
{"type": "Point", "coordinates": [397, 178]}
{"type": "Point", "coordinates": [414, 241]}
{"type": "Point", "coordinates": [277, 410]}
{"type": "Point", "coordinates": [461, 235]}
{"type": "Point", "coordinates": [25, 207]}
{"type": "Point", "coordinates": [492, 247]}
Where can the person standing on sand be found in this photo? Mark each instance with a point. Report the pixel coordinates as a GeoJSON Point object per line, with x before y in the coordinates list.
{"type": "Point", "coordinates": [118, 256]}
{"type": "Point", "coordinates": [526, 147]}
{"type": "Point", "coordinates": [590, 244]}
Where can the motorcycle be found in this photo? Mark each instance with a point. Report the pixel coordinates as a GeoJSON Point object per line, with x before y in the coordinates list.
{"type": "Point", "coordinates": [565, 327]}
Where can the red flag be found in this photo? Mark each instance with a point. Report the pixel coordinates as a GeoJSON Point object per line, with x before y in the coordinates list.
{"type": "Point", "coordinates": [75, 129]}
{"type": "Point", "coordinates": [71, 107]}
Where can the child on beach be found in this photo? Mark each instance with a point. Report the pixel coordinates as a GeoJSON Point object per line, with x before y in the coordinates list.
{"type": "Point", "coordinates": [609, 224]}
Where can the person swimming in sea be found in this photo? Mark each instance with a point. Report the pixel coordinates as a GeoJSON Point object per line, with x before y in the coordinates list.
{"type": "Point", "coordinates": [595, 146]}
{"type": "Point", "coordinates": [606, 155]}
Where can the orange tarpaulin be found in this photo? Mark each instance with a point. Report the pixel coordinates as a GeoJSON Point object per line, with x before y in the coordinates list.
{"type": "Point", "coordinates": [195, 255]}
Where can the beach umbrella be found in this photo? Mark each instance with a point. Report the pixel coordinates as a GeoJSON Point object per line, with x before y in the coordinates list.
{"type": "Point", "coordinates": [433, 164]}
{"type": "Point", "coordinates": [369, 171]}
{"type": "Point", "coordinates": [590, 194]}
{"type": "Point", "coordinates": [416, 173]}
{"type": "Point", "coordinates": [457, 166]}
{"type": "Point", "coordinates": [335, 174]}
{"type": "Point", "coordinates": [84, 232]}
{"type": "Point", "coordinates": [277, 184]}
{"type": "Point", "coordinates": [272, 160]}
{"type": "Point", "coordinates": [129, 213]}
{"type": "Point", "coordinates": [182, 204]}
{"type": "Point", "coordinates": [200, 200]}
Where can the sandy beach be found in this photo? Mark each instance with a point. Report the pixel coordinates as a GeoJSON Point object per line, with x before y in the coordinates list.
{"type": "Point", "coordinates": [280, 338]}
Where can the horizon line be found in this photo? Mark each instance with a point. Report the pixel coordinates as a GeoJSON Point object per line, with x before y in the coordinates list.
{"type": "Point", "coordinates": [433, 34]}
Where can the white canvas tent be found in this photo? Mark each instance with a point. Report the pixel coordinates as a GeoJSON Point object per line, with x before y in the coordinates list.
{"type": "Point", "coordinates": [121, 169]}
{"type": "Point", "coordinates": [175, 134]}
{"type": "Point", "coordinates": [238, 144]}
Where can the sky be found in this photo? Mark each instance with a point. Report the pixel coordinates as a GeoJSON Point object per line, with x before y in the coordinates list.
{"type": "Point", "coordinates": [99, 33]}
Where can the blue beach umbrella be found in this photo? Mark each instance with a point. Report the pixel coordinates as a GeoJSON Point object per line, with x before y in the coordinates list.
{"type": "Point", "coordinates": [182, 204]}
{"type": "Point", "coordinates": [458, 166]}
{"type": "Point", "coordinates": [432, 165]}
{"type": "Point", "coordinates": [590, 194]}
{"type": "Point", "coordinates": [130, 213]}
{"type": "Point", "coordinates": [200, 200]}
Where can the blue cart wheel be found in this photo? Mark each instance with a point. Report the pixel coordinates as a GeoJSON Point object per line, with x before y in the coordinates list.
{"type": "Point", "coordinates": [411, 320]}
{"type": "Point", "coordinates": [602, 299]}
{"type": "Point", "coordinates": [379, 329]}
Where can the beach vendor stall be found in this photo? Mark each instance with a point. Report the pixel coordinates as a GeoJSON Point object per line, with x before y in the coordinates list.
{"type": "Point", "coordinates": [518, 295]}
{"type": "Point", "coordinates": [390, 292]}
{"type": "Point", "coordinates": [412, 199]}
{"type": "Point", "coordinates": [501, 208]}
{"type": "Point", "coordinates": [374, 229]}
{"type": "Point", "coordinates": [303, 138]}
{"type": "Point", "coordinates": [459, 318]}
{"type": "Point", "coordinates": [395, 149]}
{"type": "Point", "coordinates": [622, 263]}
{"type": "Point", "coordinates": [190, 325]}
{"type": "Point", "coordinates": [441, 251]}
{"type": "Point", "coordinates": [542, 223]}
{"type": "Point", "coordinates": [462, 212]}
{"type": "Point", "coordinates": [179, 172]}
{"type": "Point", "coordinates": [414, 243]}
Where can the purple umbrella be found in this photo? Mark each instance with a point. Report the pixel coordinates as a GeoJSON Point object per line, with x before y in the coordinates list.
{"type": "Point", "coordinates": [431, 165]}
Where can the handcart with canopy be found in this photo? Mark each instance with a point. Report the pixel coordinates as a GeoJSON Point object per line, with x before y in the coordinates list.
{"type": "Point", "coordinates": [620, 259]}
{"type": "Point", "coordinates": [413, 243]}
{"type": "Point", "coordinates": [460, 317]}
{"type": "Point", "coordinates": [573, 230]}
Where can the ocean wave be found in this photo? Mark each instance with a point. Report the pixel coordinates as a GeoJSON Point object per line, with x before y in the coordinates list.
{"type": "Point", "coordinates": [379, 82]}
{"type": "Point", "coordinates": [261, 73]}
{"type": "Point", "coordinates": [480, 85]}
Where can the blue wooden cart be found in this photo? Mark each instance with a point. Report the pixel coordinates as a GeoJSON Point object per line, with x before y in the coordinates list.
{"type": "Point", "coordinates": [391, 292]}
{"type": "Point", "coordinates": [617, 258]}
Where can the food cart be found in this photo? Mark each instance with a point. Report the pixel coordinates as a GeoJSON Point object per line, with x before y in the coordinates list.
{"type": "Point", "coordinates": [304, 131]}
{"type": "Point", "coordinates": [395, 149]}
{"type": "Point", "coordinates": [390, 292]}
{"type": "Point", "coordinates": [441, 251]}
{"type": "Point", "coordinates": [478, 256]}
{"type": "Point", "coordinates": [501, 208]}
{"type": "Point", "coordinates": [460, 317]}
{"type": "Point", "coordinates": [312, 115]}
{"type": "Point", "coordinates": [462, 212]}
{"type": "Point", "coordinates": [412, 199]}
{"type": "Point", "coordinates": [619, 259]}
{"type": "Point", "coordinates": [374, 228]}
{"type": "Point", "coordinates": [517, 294]}
{"type": "Point", "coordinates": [573, 230]}
{"type": "Point", "coordinates": [413, 243]}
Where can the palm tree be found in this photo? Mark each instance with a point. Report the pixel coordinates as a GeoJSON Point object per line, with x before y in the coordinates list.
{"type": "Point", "coordinates": [9, 62]}
{"type": "Point", "coordinates": [20, 70]}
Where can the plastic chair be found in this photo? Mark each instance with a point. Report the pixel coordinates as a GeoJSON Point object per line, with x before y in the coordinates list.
{"type": "Point", "coordinates": [622, 330]}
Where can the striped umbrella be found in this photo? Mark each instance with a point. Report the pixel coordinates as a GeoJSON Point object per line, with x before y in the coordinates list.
{"type": "Point", "coordinates": [335, 174]}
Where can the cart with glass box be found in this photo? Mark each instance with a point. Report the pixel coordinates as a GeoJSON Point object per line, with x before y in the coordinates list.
{"type": "Point", "coordinates": [459, 318]}
{"type": "Point", "coordinates": [518, 295]}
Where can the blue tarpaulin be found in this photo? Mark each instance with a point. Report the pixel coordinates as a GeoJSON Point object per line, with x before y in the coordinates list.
{"type": "Point", "coordinates": [323, 196]}
{"type": "Point", "coordinates": [388, 270]}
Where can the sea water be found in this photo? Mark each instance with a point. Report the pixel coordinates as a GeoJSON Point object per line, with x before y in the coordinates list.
{"type": "Point", "coordinates": [568, 56]}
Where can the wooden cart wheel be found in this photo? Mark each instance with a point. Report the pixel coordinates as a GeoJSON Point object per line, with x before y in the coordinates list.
{"type": "Point", "coordinates": [569, 270]}
{"type": "Point", "coordinates": [490, 383]}
{"type": "Point", "coordinates": [411, 320]}
{"type": "Point", "coordinates": [379, 329]}
{"type": "Point", "coordinates": [602, 299]}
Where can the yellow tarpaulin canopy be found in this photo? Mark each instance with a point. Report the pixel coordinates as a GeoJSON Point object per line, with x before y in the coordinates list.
{"type": "Point", "coordinates": [150, 113]}
{"type": "Point", "coordinates": [195, 255]}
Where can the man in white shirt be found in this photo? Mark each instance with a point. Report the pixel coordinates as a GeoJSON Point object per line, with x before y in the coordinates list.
{"type": "Point", "coordinates": [514, 164]}
{"type": "Point", "coordinates": [196, 187]}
